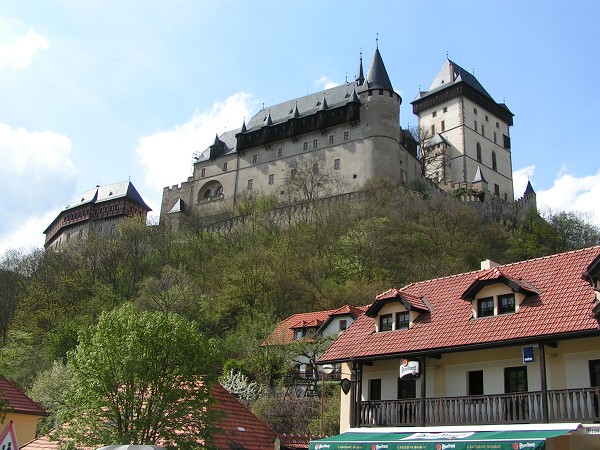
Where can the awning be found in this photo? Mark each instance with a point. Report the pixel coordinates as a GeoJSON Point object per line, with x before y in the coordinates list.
{"type": "Point", "coordinates": [459, 440]}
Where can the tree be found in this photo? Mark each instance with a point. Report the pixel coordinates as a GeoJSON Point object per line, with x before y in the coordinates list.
{"type": "Point", "coordinates": [430, 153]}
{"type": "Point", "coordinates": [140, 378]}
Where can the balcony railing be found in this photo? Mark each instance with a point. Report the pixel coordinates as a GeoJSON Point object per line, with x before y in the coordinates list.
{"type": "Point", "coordinates": [575, 405]}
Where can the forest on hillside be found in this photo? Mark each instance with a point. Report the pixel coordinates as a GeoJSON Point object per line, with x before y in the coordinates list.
{"type": "Point", "coordinates": [237, 285]}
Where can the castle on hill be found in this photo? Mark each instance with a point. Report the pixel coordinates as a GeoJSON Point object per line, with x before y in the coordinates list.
{"type": "Point", "coordinates": [353, 131]}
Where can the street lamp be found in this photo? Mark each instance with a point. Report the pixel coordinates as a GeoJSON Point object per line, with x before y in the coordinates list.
{"type": "Point", "coordinates": [325, 369]}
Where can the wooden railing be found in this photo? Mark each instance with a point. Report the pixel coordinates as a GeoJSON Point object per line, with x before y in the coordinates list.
{"type": "Point", "coordinates": [575, 405]}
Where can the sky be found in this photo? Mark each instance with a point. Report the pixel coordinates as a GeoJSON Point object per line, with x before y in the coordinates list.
{"type": "Point", "coordinates": [99, 92]}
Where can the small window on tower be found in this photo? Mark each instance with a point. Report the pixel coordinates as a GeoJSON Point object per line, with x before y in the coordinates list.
{"type": "Point", "coordinates": [443, 126]}
{"type": "Point", "coordinates": [433, 114]}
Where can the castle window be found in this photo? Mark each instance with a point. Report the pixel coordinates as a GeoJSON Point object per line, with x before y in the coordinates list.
{"type": "Point", "coordinates": [385, 322]}
{"type": "Point", "coordinates": [475, 112]}
{"type": "Point", "coordinates": [486, 118]}
{"type": "Point", "coordinates": [494, 165]}
{"type": "Point", "coordinates": [475, 126]}
{"type": "Point", "coordinates": [402, 320]}
{"type": "Point", "coordinates": [445, 110]}
{"type": "Point", "coordinates": [298, 334]}
{"type": "Point", "coordinates": [346, 135]}
{"type": "Point", "coordinates": [343, 324]}
{"type": "Point", "coordinates": [478, 152]}
{"type": "Point", "coordinates": [443, 126]}
{"type": "Point", "coordinates": [482, 130]}
{"type": "Point", "coordinates": [219, 192]}
{"type": "Point", "coordinates": [495, 141]}
{"type": "Point", "coordinates": [485, 307]}
{"type": "Point", "coordinates": [432, 129]}
{"type": "Point", "coordinates": [271, 178]}
{"type": "Point", "coordinates": [497, 125]}
{"type": "Point", "coordinates": [331, 139]}
{"type": "Point", "coordinates": [506, 303]}
{"type": "Point", "coordinates": [496, 190]}
{"type": "Point", "coordinates": [250, 181]}
{"type": "Point", "coordinates": [506, 141]}
{"type": "Point", "coordinates": [305, 145]}
{"type": "Point", "coordinates": [279, 152]}
{"type": "Point", "coordinates": [315, 143]}
{"type": "Point", "coordinates": [433, 114]}
{"type": "Point", "coordinates": [254, 159]}
{"type": "Point", "coordinates": [202, 172]}
{"type": "Point", "coordinates": [207, 194]}
{"type": "Point", "coordinates": [336, 164]}
{"type": "Point", "coordinates": [224, 167]}
{"type": "Point", "coordinates": [380, 91]}
{"type": "Point", "coordinates": [112, 229]}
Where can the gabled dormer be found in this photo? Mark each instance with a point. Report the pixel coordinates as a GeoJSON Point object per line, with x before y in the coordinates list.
{"type": "Point", "coordinates": [592, 276]}
{"type": "Point", "coordinates": [494, 293]}
{"type": "Point", "coordinates": [395, 310]}
{"type": "Point", "coordinates": [304, 329]}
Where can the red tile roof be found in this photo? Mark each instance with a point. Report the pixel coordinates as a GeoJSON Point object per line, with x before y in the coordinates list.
{"type": "Point", "coordinates": [240, 428]}
{"type": "Point", "coordinates": [295, 441]}
{"type": "Point", "coordinates": [284, 332]}
{"type": "Point", "coordinates": [18, 401]}
{"type": "Point", "coordinates": [560, 304]}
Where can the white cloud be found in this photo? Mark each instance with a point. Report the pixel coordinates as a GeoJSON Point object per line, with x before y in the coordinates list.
{"type": "Point", "coordinates": [568, 192]}
{"type": "Point", "coordinates": [166, 156]}
{"type": "Point", "coordinates": [36, 175]}
{"type": "Point", "coordinates": [326, 82]}
{"type": "Point", "coordinates": [576, 194]}
{"type": "Point", "coordinates": [19, 53]}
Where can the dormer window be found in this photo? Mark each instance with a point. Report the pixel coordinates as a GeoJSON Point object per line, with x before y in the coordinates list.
{"type": "Point", "coordinates": [485, 307]}
{"type": "Point", "coordinates": [298, 333]}
{"type": "Point", "coordinates": [396, 310]}
{"type": "Point", "coordinates": [385, 322]}
{"type": "Point", "coordinates": [495, 293]}
{"type": "Point", "coordinates": [402, 320]}
{"type": "Point", "coordinates": [506, 304]}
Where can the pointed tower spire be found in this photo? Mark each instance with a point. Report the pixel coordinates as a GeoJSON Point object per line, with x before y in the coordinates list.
{"type": "Point", "coordinates": [378, 78]}
{"type": "Point", "coordinates": [268, 120]}
{"type": "Point", "coordinates": [479, 176]}
{"type": "Point", "coordinates": [323, 106]}
{"type": "Point", "coordinates": [296, 113]}
{"type": "Point", "coordinates": [244, 126]}
{"type": "Point", "coordinates": [360, 78]}
{"type": "Point", "coordinates": [528, 190]}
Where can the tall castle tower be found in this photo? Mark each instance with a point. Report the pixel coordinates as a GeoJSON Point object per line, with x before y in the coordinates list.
{"type": "Point", "coordinates": [472, 131]}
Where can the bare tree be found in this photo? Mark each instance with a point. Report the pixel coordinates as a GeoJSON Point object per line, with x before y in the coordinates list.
{"type": "Point", "coordinates": [430, 152]}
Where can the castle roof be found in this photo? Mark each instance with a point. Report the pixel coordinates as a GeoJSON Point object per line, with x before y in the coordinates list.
{"type": "Point", "coordinates": [113, 191]}
{"type": "Point", "coordinates": [529, 189]}
{"type": "Point", "coordinates": [450, 75]}
{"type": "Point", "coordinates": [558, 303]}
{"type": "Point", "coordinates": [377, 78]}
{"type": "Point", "coordinates": [479, 176]}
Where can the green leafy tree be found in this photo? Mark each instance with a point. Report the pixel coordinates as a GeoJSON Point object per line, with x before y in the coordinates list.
{"type": "Point", "coordinates": [140, 378]}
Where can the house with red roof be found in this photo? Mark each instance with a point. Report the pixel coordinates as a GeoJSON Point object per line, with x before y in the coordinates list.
{"type": "Point", "coordinates": [507, 344]}
{"type": "Point", "coordinates": [22, 411]}
{"type": "Point", "coordinates": [239, 428]}
{"type": "Point", "coordinates": [305, 327]}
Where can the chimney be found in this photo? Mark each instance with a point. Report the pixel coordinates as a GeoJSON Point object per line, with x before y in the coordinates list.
{"type": "Point", "coordinates": [488, 264]}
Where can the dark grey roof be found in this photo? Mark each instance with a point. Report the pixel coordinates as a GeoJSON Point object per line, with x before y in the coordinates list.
{"type": "Point", "coordinates": [377, 77]}
{"type": "Point", "coordinates": [229, 141]}
{"type": "Point", "coordinates": [451, 73]}
{"type": "Point", "coordinates": [436, 139]}
{"type": "Point", "coordinates": [529, 189]}
{"type": "Point", "coordinates": [360, 77]}
{"type": "Point", "coordinates": [109, 192]}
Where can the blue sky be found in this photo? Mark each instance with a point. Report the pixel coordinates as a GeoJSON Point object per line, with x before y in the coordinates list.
{"type": "Point", "coordinates": [97, 92]}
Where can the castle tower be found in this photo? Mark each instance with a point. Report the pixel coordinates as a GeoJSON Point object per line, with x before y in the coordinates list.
{"type": "Point", "coordinates": [457, 107]}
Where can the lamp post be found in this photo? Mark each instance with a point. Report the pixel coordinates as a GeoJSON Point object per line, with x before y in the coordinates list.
{"type": "Point", "coordinates": [325, 369]}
